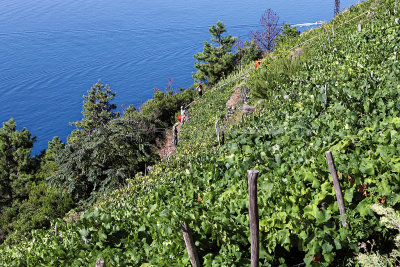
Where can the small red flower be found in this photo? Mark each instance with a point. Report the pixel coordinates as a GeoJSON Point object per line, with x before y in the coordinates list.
{"type": "Point", "coordinates": [317, 258]}
{"type": "Point", "coordinates": [198, 198]}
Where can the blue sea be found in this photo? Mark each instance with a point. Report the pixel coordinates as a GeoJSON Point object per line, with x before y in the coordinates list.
{"type": "Point", "coordinates": [53, 51]}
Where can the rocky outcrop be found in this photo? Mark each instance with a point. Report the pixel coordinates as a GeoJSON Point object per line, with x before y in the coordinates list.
{"type": "Point", "coordinates": [297, 53]}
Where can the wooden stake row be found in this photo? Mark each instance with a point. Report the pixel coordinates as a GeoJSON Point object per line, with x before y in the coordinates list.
{"type": "Point", "coordinates": [253, 215]}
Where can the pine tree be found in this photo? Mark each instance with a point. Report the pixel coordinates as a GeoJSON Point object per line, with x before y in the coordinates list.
{"type": "Point", "coordinates": [216, 60]}
{"type": "Point", "coordinates": [97, 111]}
{"type": "Point", "coordinates": [100, 155]}
{"type": "Point", "coordinates": [48, 165]}
{"type": "Point", "coordinates": [16, 164]}
{"type": "Point", "coordinates": [101, 161]}
{"type": "Point", "coordinates": [97, 108]}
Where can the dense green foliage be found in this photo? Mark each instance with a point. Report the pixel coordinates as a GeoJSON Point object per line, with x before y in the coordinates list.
{"type": "Point", "coordinates": [42, 205]}
{"type": "Point", "coordinates": [26, 202]}
{"type": "Point", "coordinates": [215, 62]}
{"type": "Point", "coordinates": [250, 52]}
{"type": "Point", "coordinates": [340, 95]}
{"type": "Point", "coordinates": [275, 76]}
{"type": "Point", "coordinates": [287, 34]}
{"type": "Point", "coordinates": [369, 258]}
{"type": "Point", "coordinates": [159, 112]}
{"type": "Point", "coordinates": [97, 109]}
{"type": "Point", "coordinates": [106, 149]}
{"type": "Point", "coordinates": [101, 154]}
{"type": "Point", "coordinates": [101, 161]}
{"type": "Point", "coordinates": [15, 161]}
{"type": "Point", "coordinates": [48, 164]}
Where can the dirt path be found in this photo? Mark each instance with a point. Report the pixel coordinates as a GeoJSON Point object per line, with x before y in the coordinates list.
{"type": "Point", "coordinates": [168, 147]}
{"type": "Point", "coordinates": [232, 103]}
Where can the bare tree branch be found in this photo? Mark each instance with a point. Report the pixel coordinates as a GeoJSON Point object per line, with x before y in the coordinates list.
{"type": "Point", "coordinates": [270, 30]}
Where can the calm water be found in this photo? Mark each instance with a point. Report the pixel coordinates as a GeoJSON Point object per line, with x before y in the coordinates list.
{"type": "Point", "coordinates": [53, 51]}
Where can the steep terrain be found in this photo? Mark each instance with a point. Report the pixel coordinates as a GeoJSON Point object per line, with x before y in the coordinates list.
{"type": "Point", "coordinates": [340, 95]}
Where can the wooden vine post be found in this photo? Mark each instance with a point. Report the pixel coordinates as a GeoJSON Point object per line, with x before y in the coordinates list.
{"type": "Point", "coordinates": [191, 248]}
{"type": "Point", "coordinates": [145, 175]}
{"type": "Point", "coordinates": [217, 129]}
{"type": "Point", "coordinates": [336, 185]}
{"type": "Point", "coordinates": [253, 214]}
{"type": "Point", "coordinates": [329, 38]}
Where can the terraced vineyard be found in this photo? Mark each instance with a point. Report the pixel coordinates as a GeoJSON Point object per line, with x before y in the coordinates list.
{"type": "Point", "coordinates": [341, 95]}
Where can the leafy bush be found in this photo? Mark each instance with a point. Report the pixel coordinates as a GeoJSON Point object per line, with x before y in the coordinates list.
{"type": "Point", "coordinates": [160, 111]}
{"type": "Point", "coordinates": [250, 53]}
{"type": "Point", "coordinates": [275, 75]}
{"type": "Point", "coordinates": [101, 161]}
{"type": "Point", "coordinates": [43, 205]}
{"type": "Point", "coordinates": [287, 34]}
{"type": "Point", "coordinates": [391, 219]}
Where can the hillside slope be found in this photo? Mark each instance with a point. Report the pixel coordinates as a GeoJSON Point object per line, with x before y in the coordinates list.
{"type": "Point", "coordinates": [341, 95]}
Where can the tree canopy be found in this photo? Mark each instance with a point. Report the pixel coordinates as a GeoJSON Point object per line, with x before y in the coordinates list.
{"type": "Point", "coordinates": [16, 163]}
{"type": "Point", "coordinates": [97, 108]}
{"type": "Point", "coordinates": [216, 60]}
{"type": "Point", "coordinates": [101, 154]}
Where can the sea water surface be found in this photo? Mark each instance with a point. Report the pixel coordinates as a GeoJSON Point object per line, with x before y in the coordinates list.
{"type": "Point", "coordinates": [53, 51]}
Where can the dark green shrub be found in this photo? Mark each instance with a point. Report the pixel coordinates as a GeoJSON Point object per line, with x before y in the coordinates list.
{"type": "Point", "coordinates": [102, 160]}
{"type": "Point", "coordinates": [16, 163]}
{"type": "Point", "coordinates": [43, 205]}
{"type": "Point", "coordinates": [287, 33]}
{"type": "Point", "coordinates": [161, 109]}
{"type": "Point", "coordinates": [275, 74]}
{"type": "Point", "coordinates": [250, 53]}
